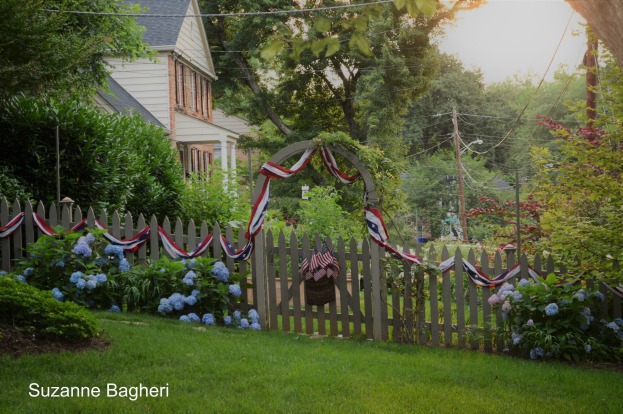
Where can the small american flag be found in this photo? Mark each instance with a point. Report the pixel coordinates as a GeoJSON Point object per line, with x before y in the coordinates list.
{"type": "Point", "coordinates": [321, 264]}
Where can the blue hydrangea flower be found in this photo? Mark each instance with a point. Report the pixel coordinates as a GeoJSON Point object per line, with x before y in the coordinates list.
{"type": "Point", "coordinates": [2, 273]}
{"type": "Point", "coordinates": [587, 348]}
{"type": "Point", "coordinates": [600, 296]}
{"type": "Point", "coordinates": [190, 300]}
{"type": "Point", "coordinates": [195, 292]}
{"type": "Point", "coordinates": [586, 312]}
{"type": "Point", "coordinates": [237, 315]}
{"type": "Point", "coordinates": [220, 272]}
{"type": "Point", "coordinates": [516, 338]}
{"type": "Point", "coordinates": [21, 278]}
{"type": "Point", "coordinates": [89, 238]}
{"type": "Point", "coordinates": [29, 271]}
{"type": "Point", "coordinates": [613, 326]}
{"type": "Point", "coordinates": [124, 266]}
{"type": "Point", "coordinates": [192, 263]}
{"type": "Point", "coordinates": [235, 290]}
{"type": "Point", "coordinates": [165, 306]}
{"type": "Point", "coordinates": [517, 296]}
{"type": "Point", "coordinates": [75, 277]}
{"type": "Point", "coordinates": [244, 324]}
{"type": "Point", "coordinates": [114, 250]}
{"type": "Point", "coordinates": [58, 295]}
{"type": "Point", "coordinates": [254, 315]}
{"type": "Point", "coordinates": [227, 320]}
{"type": "Point", "coordinates": [580, 295]}
{"type": "Point", "coordinates": [162, 270]}
{"type": "Point", "coordinates": [208, 319]}
{"type": "Point", "coordinates": [189, 278]}
{"type": "Point", "coordinates": [184, 318]}
{"type": "Point", "coordinates": [101, 278]}
{"type": "Point", "coordinates": [83, 249]}
{"type": "Point", "coordinates": [81, 283]}
{"type": "Point", "coordinates": [193, 317]}
{"type": "Point", "coordinates": [114, 308]}
{"type": "Point", "coordinates": [101, 261]}
{"type": "Point", "coordinates": [255, 326]}
{"type": "Point", "coordinates": [551, 309]}
{"type": "Point", "coordinates": [536, 353]}
{"type": "Point", "coordinates": [524, 282]}
{"type": "Point", "coordinates": [60, 263]}
{"type": "Point", "coordinates": [91, 284]}
{"type": "Point", "coordinates": [619, 322]}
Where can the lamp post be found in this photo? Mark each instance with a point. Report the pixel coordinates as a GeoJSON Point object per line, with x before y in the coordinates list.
{"type": "Point", "coordinates": [478, 142]}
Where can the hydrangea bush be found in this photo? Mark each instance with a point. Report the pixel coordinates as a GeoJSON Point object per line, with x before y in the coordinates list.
{"type": "Point", "coordinates": [184, 289]}
{"type": "Point", "coordinates": [559, 321]}
{"type": "Point", "coordinates": [76, 266]}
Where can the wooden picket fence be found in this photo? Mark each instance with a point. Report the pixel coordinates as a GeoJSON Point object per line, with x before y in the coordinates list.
{"type": "Point", "coordinates": [443, 310]}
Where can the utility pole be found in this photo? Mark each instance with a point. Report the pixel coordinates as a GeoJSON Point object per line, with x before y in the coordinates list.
{"type": "Point", "coordinates": [459, 169]}
{"type": "Point", "coordinates": [590, 61]}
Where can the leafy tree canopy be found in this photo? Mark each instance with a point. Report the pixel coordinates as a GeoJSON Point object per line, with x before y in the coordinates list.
{"type": "Point", "coordinates": [48, 52]}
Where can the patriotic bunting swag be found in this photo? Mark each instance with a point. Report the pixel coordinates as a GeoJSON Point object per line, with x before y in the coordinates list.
{"type": "Point", "coordinates": [376, 226]}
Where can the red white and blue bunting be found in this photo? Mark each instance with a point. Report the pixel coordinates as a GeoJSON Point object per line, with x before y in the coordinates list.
{"type": "Point", "coordinates": [374, 220]}
{"type": "Point", "coordinates": [481, 279]}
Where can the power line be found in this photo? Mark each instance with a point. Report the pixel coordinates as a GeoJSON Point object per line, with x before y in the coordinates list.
{"type": "Point", "coordinates": [259, 13]}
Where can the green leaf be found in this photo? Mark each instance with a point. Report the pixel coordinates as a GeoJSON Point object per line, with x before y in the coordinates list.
{"type": "Point", "coordinates": [360, 42]}
{"type": "Point", "coordinates": [272, 49]}
{"type": "Point", "coordinates": [361, 23]}
{"type": "Point", "coordinates": [333, 46]}
{"type": "Point", "coordinates": [317, 46]}
{"type": "Point", "coordinates": [428, 7]}
{"type": "Point", "coordinates": [322, 24]}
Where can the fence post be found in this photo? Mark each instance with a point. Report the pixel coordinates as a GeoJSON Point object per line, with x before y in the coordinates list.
{"type": "Point", "coordinates": [259, 266]}
{"type": "Point", "coordinates": [377, 322]}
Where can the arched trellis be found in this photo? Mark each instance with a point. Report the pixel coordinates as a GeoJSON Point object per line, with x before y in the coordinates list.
{"type": "Point", "coordinates": [301, 147]}
{"type": "Point", "coordinates": [371, 201]}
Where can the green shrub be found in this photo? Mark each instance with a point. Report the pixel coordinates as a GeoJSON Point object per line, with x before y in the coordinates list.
{"type": "Point", "coordinates": [560, 321]}
{"type": "Point", "coordinates": [179, 287]}
{"type": "Point", "coordinates": [107, 161]}
{"type": "Point", "coordinates": [37, 311]}
{"type": "Point", "coordinates": [80, 265]}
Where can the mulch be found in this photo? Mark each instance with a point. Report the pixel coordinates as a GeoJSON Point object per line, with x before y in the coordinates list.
{"type": "Point", "coordinates": [15, 343]}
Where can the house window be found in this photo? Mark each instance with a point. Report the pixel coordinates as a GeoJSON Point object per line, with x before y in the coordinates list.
{"type": "Point", "coordinates": [179, 84]}
{"type": "Point", "coordinates": [193, 91]}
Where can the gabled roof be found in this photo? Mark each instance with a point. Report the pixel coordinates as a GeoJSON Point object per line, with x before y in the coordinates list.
{"type": "Point", "coordinates": [123, 102]}
{"type": "Point", "coordinates": [162, 31]}
{"type": "Point", "coordinates": [231, 122]}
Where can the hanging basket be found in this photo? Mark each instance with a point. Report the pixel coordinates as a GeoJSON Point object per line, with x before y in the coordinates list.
{"type": "Point", "coordinates": [320, 292]}
{"type": "Point", "coordinates": [319, 274]}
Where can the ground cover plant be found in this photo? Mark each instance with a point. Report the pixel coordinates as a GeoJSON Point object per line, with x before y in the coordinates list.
{"type": "Point", "coordinates": [231, 370]}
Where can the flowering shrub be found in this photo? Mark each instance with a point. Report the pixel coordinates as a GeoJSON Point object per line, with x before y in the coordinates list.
{"type": "Point", "coordinates": [181, 288]}
{"type": "Point", "coordinates": [252, 321]}
{"type": "Point", "coordinates": [550, 320]}
{"type": "Point", "coordinates": [75, 266]}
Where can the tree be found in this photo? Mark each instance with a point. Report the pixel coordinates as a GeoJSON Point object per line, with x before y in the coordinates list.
{"type": "Point", "coordinates": [46, 51]}
{"type": "Point", "coordinates": [582, 195]}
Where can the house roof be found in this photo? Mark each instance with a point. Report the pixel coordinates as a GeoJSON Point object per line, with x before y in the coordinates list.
{"type": "Point", "coordinates": [231, 122]}
{"type": "Point", "coordinates": [162, 31]}
{"type": "Point", "coordinates": [123, 102]}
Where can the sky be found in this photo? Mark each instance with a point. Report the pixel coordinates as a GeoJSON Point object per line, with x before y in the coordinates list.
{"type": "Point", "coordinates": [508, 37]}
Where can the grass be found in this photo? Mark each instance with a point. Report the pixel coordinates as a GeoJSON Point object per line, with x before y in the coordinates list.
{"type": "Point", "coordinates": [231, 371]}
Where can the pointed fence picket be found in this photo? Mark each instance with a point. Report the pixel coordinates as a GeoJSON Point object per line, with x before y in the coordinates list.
{"type": "Point", "coordinates": [443, 309]}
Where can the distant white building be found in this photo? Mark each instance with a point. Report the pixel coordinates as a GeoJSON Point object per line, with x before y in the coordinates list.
{"type": "Point", "coordinates": [174, 91]}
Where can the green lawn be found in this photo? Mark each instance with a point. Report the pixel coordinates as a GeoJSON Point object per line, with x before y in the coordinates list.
{"type": "Point", "coordinates": [225, 370]}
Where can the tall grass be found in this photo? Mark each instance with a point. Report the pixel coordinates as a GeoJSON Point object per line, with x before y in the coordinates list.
{"type": "Point", "coordinates": [232, 371]}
